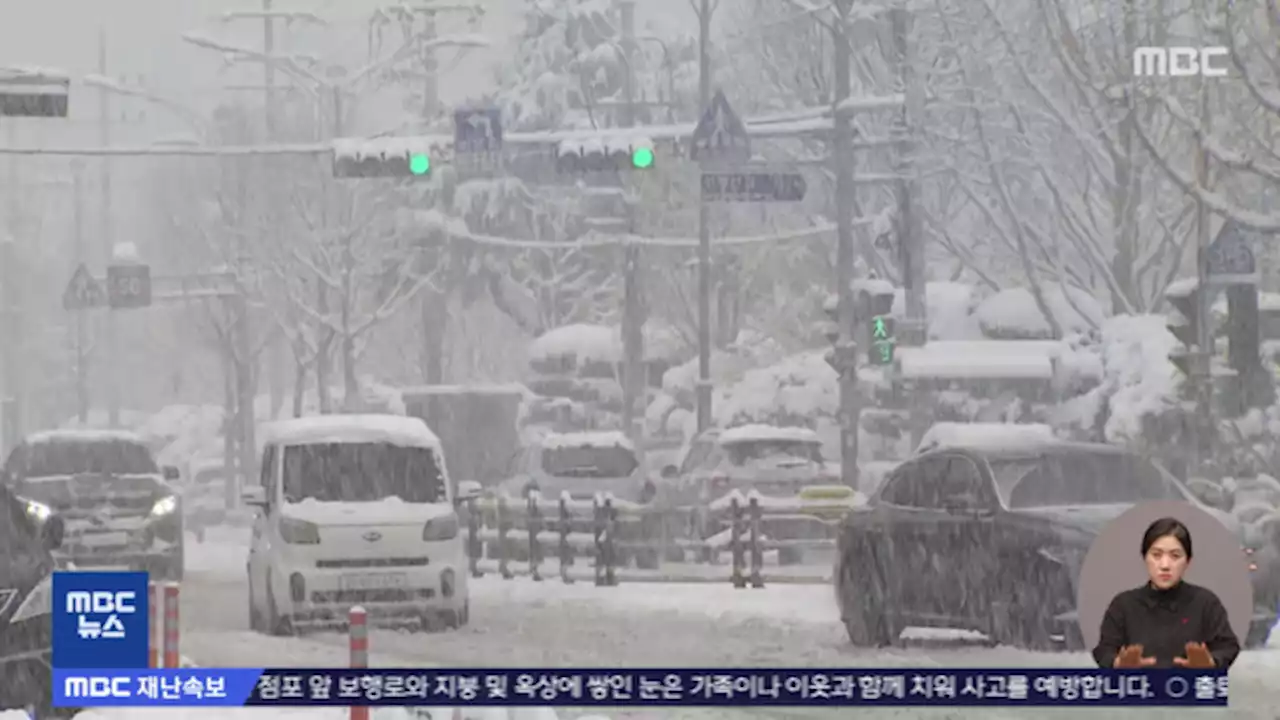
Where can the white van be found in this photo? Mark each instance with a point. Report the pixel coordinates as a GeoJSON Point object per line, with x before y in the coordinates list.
{"type": "Point", "coordinates": [355, 510]}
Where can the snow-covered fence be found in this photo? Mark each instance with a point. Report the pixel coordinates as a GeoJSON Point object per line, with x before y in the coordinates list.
{"type": "Point", "coordinates": [614, 533]}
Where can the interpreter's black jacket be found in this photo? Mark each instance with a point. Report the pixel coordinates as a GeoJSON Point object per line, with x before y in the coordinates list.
{"type": "Point", "coordinates": [1163, 622]}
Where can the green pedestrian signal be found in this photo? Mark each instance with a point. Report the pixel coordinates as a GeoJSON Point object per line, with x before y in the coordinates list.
{"type": "Point", "coordinates": [419, 164]}
{"type": "Point", "coordinates": [642, 158]}
{"type": "Point", "coordinates": [879, 329]}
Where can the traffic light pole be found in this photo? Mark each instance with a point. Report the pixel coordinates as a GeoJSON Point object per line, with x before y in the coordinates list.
{"type": "Point", "coordinates": [633, 384]}
{"type": "Point", "coordinates": [106, 225]}
{"type": "Point", "coordinates": [850, 401]}
{"type": "Point", "coordinates": [1202, 423]}
{"type": "Point", "coordinates": [704, 231]}
{"type": "Point", "coordinates": [11, 311]}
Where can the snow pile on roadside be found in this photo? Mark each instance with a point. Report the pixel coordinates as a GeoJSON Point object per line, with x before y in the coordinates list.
{"type": "Point", "coordinates": [1013, 313]}
{"type": "Point", "coordinates": [1137, 382]}
{"type": "Point", "coordinates": [794, 391]}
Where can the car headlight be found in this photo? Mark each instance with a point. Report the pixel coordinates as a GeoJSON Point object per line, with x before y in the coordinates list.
{"type": "Point", "coordinates": [38, 511]}
{"type": "Point", "coordinates": [38, 602]}
{"type": "Point", "coordinates": [164, 506]}
{"type": "Point", "coordinates": [441, 528]}
{"type": "Point", "coordinates": [299, 532]}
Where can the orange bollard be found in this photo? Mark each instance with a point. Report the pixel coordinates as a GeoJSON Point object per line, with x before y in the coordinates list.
{"type": "Point", "coordinates": [152, 625]}
{"type": "Point", "coordinates": [171, 657]}
{"type": "Point", "coordinates": [358, 640]}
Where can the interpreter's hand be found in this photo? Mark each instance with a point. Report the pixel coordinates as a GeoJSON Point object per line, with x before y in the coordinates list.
{"type": "Point", "coordinates": [1130, 656]}
{"type": "Point", "coordinates": [1197, 657]}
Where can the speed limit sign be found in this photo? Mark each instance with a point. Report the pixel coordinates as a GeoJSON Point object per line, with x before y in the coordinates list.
{"type": "Point", "coordinates": [128, 286]}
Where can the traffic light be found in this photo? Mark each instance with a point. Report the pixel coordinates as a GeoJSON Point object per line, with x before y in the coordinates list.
{"type": "Point", "coordinates": [383, 158]}
{"type": "Point", "coordinates": [883, 342]}
{"type": "Point", "coordinates": [1183, 323]}
{"type": "Point", "coordinates": [604, 154]}
{"type": "Point", "coordinates": [875, 299]}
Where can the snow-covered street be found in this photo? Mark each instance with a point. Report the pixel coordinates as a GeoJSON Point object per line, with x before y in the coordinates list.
{"type": "Point", "coordinates": [520, 622]}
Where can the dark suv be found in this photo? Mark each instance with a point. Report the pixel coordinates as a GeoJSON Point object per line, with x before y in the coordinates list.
{"type": "Point", "coordinates": [28, 537]}
{"type": "Point", "coordinates": [118, 507]}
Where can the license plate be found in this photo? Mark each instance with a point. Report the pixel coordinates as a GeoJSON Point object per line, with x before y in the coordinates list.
{"type": "Point", "coordinates": [372, 581]}
{"type": "Point", "coordinates": [104, 539]}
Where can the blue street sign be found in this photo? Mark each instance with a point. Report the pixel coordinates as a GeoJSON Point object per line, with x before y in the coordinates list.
{"type": "Point", "coordinates": [477, 130]}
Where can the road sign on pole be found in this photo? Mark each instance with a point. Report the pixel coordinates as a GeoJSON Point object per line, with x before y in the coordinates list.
{"type": "Point", "coordinates": [721, 136]}
{"type": "Point", "coordinates": [128, 286]}
{"type": "Point", "coordinates": [477, 139]}
{"type": "Point", "coordinates": [753, 187]}
{"type": "Point", "coordinates": [83, 292]}
{"type": "Point", "coordinates": [1230, 259]}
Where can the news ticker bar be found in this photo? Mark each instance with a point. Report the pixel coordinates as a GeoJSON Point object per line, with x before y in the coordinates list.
{"type": "Point", "coordinates": [530, 687]}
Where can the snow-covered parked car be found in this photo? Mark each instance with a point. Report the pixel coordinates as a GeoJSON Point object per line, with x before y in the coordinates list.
{"type": "Point", "coordinates": [584, 465]}
{"type": "Point", "coordinates": [355, 510]}
{"type": "Point", "coordinates": [778, 463]}
{"type": "Point", "coordinates": [119, 508]}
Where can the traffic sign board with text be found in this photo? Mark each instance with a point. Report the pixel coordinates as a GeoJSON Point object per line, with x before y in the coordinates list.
{"type": "Point", "coordinates": [128, 286]}
{"type": "Point", "coordinates": [753, 187]}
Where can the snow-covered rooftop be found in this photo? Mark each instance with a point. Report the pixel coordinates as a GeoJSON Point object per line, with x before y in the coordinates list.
{"type": "Point", "coordinates": [393, 429]}
{"type": "Point", "coordinates": [760, 432]}
{"type": "Point", "coordinates": [977, 364]}
{"type": "Point", "coordinates": [984, 436]}
{"type": "Point", "coordinates": [53, 436]}
{"type": "Point", "coordinates": [586, 342]}
{"type": "Point", "coordinates": [602, 439]}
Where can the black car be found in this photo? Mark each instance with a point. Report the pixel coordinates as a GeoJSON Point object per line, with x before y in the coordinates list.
{"type": "Point", "coordinates": [991, 539]}
{"type": "Point", "coordinates": [120, 511]}
{"type": "Point", "coordinates": [27, 540]}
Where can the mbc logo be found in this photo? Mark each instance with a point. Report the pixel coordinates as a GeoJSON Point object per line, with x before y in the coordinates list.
{"type": "Point", "coordinates": [101, 602]}
{"type": "Point", "coordinates": [98, 602]}
{"type": "Point", "coordinates": [97, 687]}
{"type": "Point", "coordinates": [1180, 61]}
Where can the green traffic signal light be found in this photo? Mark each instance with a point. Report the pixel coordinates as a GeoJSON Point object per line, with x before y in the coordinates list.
{"type": "Point", "coordinates": [419, 164]}
{"type": "Point", "coordinates": [642, 158]}
{"type": "Point", "coordinates": [879, 330]}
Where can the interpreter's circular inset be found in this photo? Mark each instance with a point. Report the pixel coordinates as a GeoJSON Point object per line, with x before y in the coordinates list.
{"type": "Point", "coordinates": [1165, 585]}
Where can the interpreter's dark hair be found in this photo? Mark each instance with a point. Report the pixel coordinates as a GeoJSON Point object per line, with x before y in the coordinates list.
{"type": "Point", "coordinates": [1167, 527]}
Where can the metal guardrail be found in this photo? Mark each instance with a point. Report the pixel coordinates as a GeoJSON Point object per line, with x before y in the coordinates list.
{"type": "Point", "coordinates": [610, 531]}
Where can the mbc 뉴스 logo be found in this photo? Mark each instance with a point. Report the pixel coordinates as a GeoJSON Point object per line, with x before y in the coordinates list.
{"type": "Point", "coordinates": [100, 620]}
{"type": "Point", "coordinates": [105, 604]}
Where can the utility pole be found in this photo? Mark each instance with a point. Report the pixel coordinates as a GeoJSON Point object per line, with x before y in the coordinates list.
{"type": "Point", "coordinates": [915, 331]}
{"type": "Point", "coordinates": [107, 228]}
{"type": "Point", "coordinates": [11, 405]}
{"type": "Point", "coordinates": [846, 351]}
{"type": "Point", "coordinates": [633, 380]}
{"type": "Point", "coordinates": [1203, 426]}
{"type": "Point", "coordinates": [704, 230]}
{"type": "Point", "coordinates": [82, 257]}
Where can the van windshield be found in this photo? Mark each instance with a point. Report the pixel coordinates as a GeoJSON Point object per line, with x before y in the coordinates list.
{"type": "Point", "coordinates": [362, 472]}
